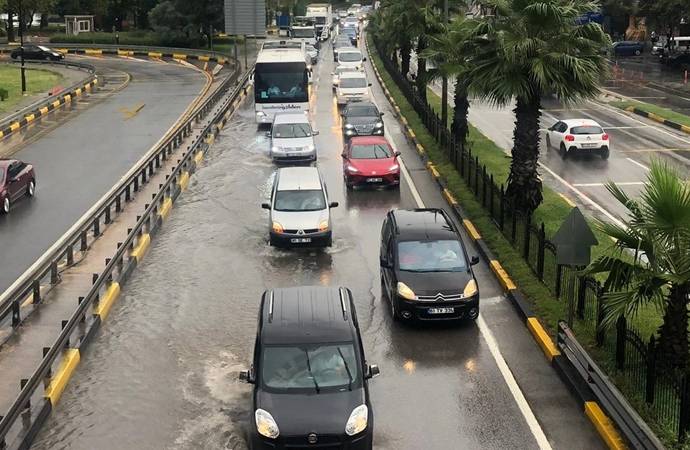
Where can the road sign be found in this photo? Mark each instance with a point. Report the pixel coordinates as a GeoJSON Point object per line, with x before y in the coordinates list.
{"type": "Point", "coordinates": [245, 17]}
{"type": "Point", "coordinates": [574, 240]}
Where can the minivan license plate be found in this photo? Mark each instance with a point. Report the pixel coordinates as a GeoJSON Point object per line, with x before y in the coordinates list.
{"type": "Point", "coordinates": [441, 310]}
{"type": "Point", "coordinates": [300, 240]}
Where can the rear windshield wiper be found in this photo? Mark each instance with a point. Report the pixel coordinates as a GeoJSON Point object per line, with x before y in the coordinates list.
{"type": "Point", "coordinates": [347, 368]}
{"type": "Point", "coordinates": [316, 384]}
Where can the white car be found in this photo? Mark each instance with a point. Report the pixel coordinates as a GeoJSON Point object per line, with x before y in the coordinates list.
{"type": "Point", "coordinates": [351, 57]}
{"type": "Point", "coordinates": [578, 136]}
{"type": "Point", "coordinates": [339, 71]}
{"type": "Point", "coordinates": [312, 53]}
{"type": "Point", "coordinates": [299, 209]}
{"type": "Point", "coordinates": [353, 87]}
{"type": "Point", "coordinates": [292, 138]}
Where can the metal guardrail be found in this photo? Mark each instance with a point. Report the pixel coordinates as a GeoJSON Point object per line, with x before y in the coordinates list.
{"type": "Point", "coordinates": [117, 267]}
{"type": "Point", "coordinates": [20, 114]}
{"type": "Point", "coordinates": [4, 48]}
{"type": "Point", "coordinates": [626, 419]}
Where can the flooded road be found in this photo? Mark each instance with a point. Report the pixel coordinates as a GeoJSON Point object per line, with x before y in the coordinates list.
{"type": "Point", "coordinates": [163, 371]}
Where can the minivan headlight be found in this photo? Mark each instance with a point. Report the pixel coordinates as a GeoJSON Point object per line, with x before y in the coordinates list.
{"type": "Point", "coordinates": [470, 289]}
{"type": "Point", "coordinates": [265, 424]}
{"type": "Point", "coordinates": [274, 149]}
{"type": "Point", "coordinates": [323, 225]}
{"type": "Point", "coordinates": [357, 421]}
{"type": "Point", "coordinates": [277, 228]}
{"type": "Point", "coordinates": [405, 292]}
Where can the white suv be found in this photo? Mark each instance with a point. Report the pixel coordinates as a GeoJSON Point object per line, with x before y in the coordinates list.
{"type": "Point", "coordinates": [578, 135]}
{"type": "Point", "coordinates": [352, 86]}
{"type": "Point", "coordinates": [299, 209]}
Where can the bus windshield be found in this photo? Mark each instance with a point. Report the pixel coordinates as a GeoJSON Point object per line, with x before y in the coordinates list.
{"type": "Point", "coordinates": [281, 82]}
{"type": "Point", "coordinates": [302, 33]}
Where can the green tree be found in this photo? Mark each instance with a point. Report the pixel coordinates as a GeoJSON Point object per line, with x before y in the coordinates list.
{"type": "Point", "coordinates": [532, 48]}
{"type": "Point", "coordinates": [165, 17]}
{"type": "Point", "coordinates": [450, 50]}
{"type": "Point", "coordinates": [657, 233]}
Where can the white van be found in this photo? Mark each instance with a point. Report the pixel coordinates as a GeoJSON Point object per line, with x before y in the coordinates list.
{"type": "Point", "coordinates": [352, 87]}
{"type": "Point", "coordinates": [351, 57]}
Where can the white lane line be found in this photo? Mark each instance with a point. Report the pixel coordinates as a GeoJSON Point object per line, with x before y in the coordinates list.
{"type": "Point", "coordinates": [618, 183]}
{"type": "Point", "coordinates": [637, 163]}
{"type": "Point", "coordinates": [508, 376]}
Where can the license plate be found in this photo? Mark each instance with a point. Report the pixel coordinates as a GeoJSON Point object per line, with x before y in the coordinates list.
{"type": "Point", "coordinates": [300, 240]}
{"type": "Point", "coordinates": [590, 145]}
{"type": "Point", "coordinates": [441, 310]}
{"type": "Point", "coordinates": [374, 180]}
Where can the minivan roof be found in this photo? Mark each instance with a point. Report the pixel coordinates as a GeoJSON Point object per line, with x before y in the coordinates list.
{"type": "Point", "coordinates": [290, 117]}
{"type": "Point", "coordinates": [298, 178]}
{"type": "Point", "coordinates": [306, 314]}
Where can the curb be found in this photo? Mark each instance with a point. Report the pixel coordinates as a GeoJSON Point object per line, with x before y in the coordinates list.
{"type": "Point", "coordinates": [559, 362]}
{"type": "Point", "coordinates": [60, 100]}
{"type": "Point", "coordinates": [669, 123]}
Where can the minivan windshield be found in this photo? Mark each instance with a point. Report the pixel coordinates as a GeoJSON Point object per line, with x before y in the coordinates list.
{"type": "Point", "coordinates": [353, 83]}
{"type": "Point", "coordinates": [431, 256]}
{"type": "Point", "coordinates": [314, 366]}
{"type": "Point", "coordinates": [302, 33]}
{"type": "Point", "coordinates": [349, 56]}
{"type": "Point", "coordinates": [291, 130]}
{"type": "Point", "coordinates": [302, 200]}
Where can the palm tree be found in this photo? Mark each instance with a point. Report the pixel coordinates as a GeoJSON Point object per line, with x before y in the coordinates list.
{"type": "Point", "coordinates": [657, 233]}
{"type": "Point", "coordinates": [396, 29]}
{"type": "Point", "coordinates": [450, 51]}
{"type": "Point", "coordinates": [531, 48]}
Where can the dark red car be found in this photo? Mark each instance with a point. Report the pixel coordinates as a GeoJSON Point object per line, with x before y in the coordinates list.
{"type": "Point", "coordinates": [17, 179]}
{"type": "Point", "coordinates": [370, 160]}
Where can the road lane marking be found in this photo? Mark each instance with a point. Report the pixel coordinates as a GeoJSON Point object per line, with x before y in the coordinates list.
{"type": "Point", "coordinates": [618, 183]}
{"type": "Point", "coordinates": [639, 164]}
{"type": "Point", "coordinates": [654, 150]}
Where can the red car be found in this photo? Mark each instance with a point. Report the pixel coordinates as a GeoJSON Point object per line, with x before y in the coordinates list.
{"type": "Point", "coordinates": [17, 179]}
{"type": "Point", "coordinates": [370, 160]}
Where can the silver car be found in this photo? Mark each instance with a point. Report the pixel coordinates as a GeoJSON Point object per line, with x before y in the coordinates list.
{"type": "Point", "coordinates": [292, 138]}
{"type": "Point", "coordinates": [299, 209]}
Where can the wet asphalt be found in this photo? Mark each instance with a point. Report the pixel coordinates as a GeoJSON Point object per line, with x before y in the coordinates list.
{"type": "Point", "coordinates": [77, 162]}
{"type": "Point", "coordinates": [163, 371]}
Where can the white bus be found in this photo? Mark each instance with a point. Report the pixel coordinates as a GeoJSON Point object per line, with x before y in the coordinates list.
{"type": "Point", "coordinates": [281, 80]}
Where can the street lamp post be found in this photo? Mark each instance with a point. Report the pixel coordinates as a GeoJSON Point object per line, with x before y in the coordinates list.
{"type": "Point", "coordinates": [444, 80]}
{"type": "Point", "coordinates": [21, 46]}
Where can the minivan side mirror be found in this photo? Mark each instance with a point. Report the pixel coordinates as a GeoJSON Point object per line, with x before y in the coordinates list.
{"type": "Point", "coordinates": [397, 153]}
{"type": "Point", "coordinates": [381, 114]}
{"type": "Point", "coordinates": [373, 371]}
{"type": "Point", "coordinates": [333, 205]}
{"type": "Point", "coordinates": [364, 59]}
{"type": "Point", "coordinates": [314, 132]}
{"type": "Point", "coordinates": [268, 134]}
{"type": "Point", "coordinates": [370, 85]}
{"type": "Point", "coordinates": [265, 206]}
{"type": "Point", "coordinates": [245, 376]}
{"type": "Point", "coordinates": [474, 260]}
{"type": "Point", "coordinates": [383, 262]}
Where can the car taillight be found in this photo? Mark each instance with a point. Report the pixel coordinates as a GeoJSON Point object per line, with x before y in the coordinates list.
{"type": "Point", "coordinates": [605, 137]}
{"type": "Point", "coordinates": [569, 138]}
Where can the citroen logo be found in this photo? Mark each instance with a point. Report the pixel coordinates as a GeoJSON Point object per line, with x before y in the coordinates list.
{"type": "Point", "coordinates": [300, 231]}
{"type": "Point", "coordinates": [312, 438]}
{"type": "Point", "coordinates": [439, 297]}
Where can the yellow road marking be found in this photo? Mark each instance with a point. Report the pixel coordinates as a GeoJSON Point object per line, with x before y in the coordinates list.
{"type": "Point", "coordinates": [471, 230]}
{"type": "Point", "coordinates": [685, 128]}
{"type": "Point", "coordinates": [68, 98]}
{"type": "Point", "coordinates": [604, 426]}
{"type": "Point", "coordinates": [431, 168]}
{"type": "Point", "coordinates": [155, 55]}
{"type": "Point", "coordinates": [93, 51]}
{"type": "Point", "coordinates": [420, 149]}
{"type": "Point", "coordinates": [141, 247]}
{"type": "Point", "coordinates": [125, 52]}
{"type": "Point", "coordinates": [128, 114]}
{"type": "Point", "coordinates": [184, 181]}
{"type": "Point", "coordinates": [70, 360]}
{"type": "Point", "coordinates": [30, 117]}
{"type": "Point", "coordinates": [44, 110]}
{"type": "Point", "coordinates": [165, 208]}
{"type": "Point", "coordinates": [15, 126]}
{"type": "Point", "coordinates": [449, 197]}
{"type": "Point", "coordinates": [179, 56]}
{"type": "Point", "coordinates": [567, 200]}
{"type": "Point", "coordinates": [204, 58]}
{"type": "Point", "coordinates": [78, 91]}
{"type": "Point", "coordinates": [56, 103]}
{"type": "Point", "coordinates": [199, 156]}
{"type": "Point", "coordinates": [106, 302]}
{"type": "Point", "coordinates": [542, 338]}
{"type": "Point", "coordinates": [502, 275]}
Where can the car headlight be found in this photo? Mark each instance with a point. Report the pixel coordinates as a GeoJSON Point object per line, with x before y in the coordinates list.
{"type": "Point", "coordinates": [265, 424]}
{"type": "Point", "coordinates": [336, 81]}
{"type": "Point", "coordinates": [405, 292]}
{"type": "Point", "coordinates": [357, 421]}
{"type": "Point", "coordinates": [470, 289]}
{"type": "Point", "coordinates": [349, 126]}
{"type": "Point", "coordinates": [274, 148]}
{"type": "Point", "coordinates": [260, 113]}
{"type": "Point", "coordinates": [310, 148]}
{"type": "Point", "coordinates": [277, 228]}
{"type": "Point", "coordinates": [352, 169]}
{"type": "Point", "coordinates": [378, 124]}
{"type": "Point", "coordinates": [323, 225]}
{"type": "Point", "coordinates": [393, 168]}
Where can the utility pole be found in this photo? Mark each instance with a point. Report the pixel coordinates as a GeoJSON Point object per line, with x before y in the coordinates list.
{"type": "Point", "coordinates": [21, 46]}
{"type": "Point", "coordinates": [444, 80]}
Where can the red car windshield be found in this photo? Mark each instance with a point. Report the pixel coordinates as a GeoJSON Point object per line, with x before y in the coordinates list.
{"type": "Point", "coordinates": [371, 151]}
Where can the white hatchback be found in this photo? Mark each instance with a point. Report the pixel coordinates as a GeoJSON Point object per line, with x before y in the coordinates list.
{"type": "Point", "coordinates": [578, 135]}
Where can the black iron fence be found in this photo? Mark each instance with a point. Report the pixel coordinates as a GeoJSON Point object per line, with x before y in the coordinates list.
{"type": "Point", "coordinates": [665, 392]}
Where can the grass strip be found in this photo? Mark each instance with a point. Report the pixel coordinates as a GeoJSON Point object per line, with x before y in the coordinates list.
{"type": "Point", "coordinates": [37, 81]}
{"type": "Point", "coordinates": [654, 109]}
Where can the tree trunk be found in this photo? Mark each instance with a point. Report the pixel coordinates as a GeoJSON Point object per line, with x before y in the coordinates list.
{"type": "Point", "coordinates": [524, 189]}
{"type": "Point", "coordinates": [10, 25]}
{"type": "Point", "coordinates": [421, 68]}
{"type": "Point", "coordinates": [461, 106]}
{"type": "Point", "coordinates": [673, 333]}
{"type": "Point", "coordinates": [405, 50]}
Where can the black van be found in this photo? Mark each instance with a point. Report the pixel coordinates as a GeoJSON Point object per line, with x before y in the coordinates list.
{"type": "Point", "coordinates": [309, 372]}
{"type": "Point", "coordinates": [425, 271]}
